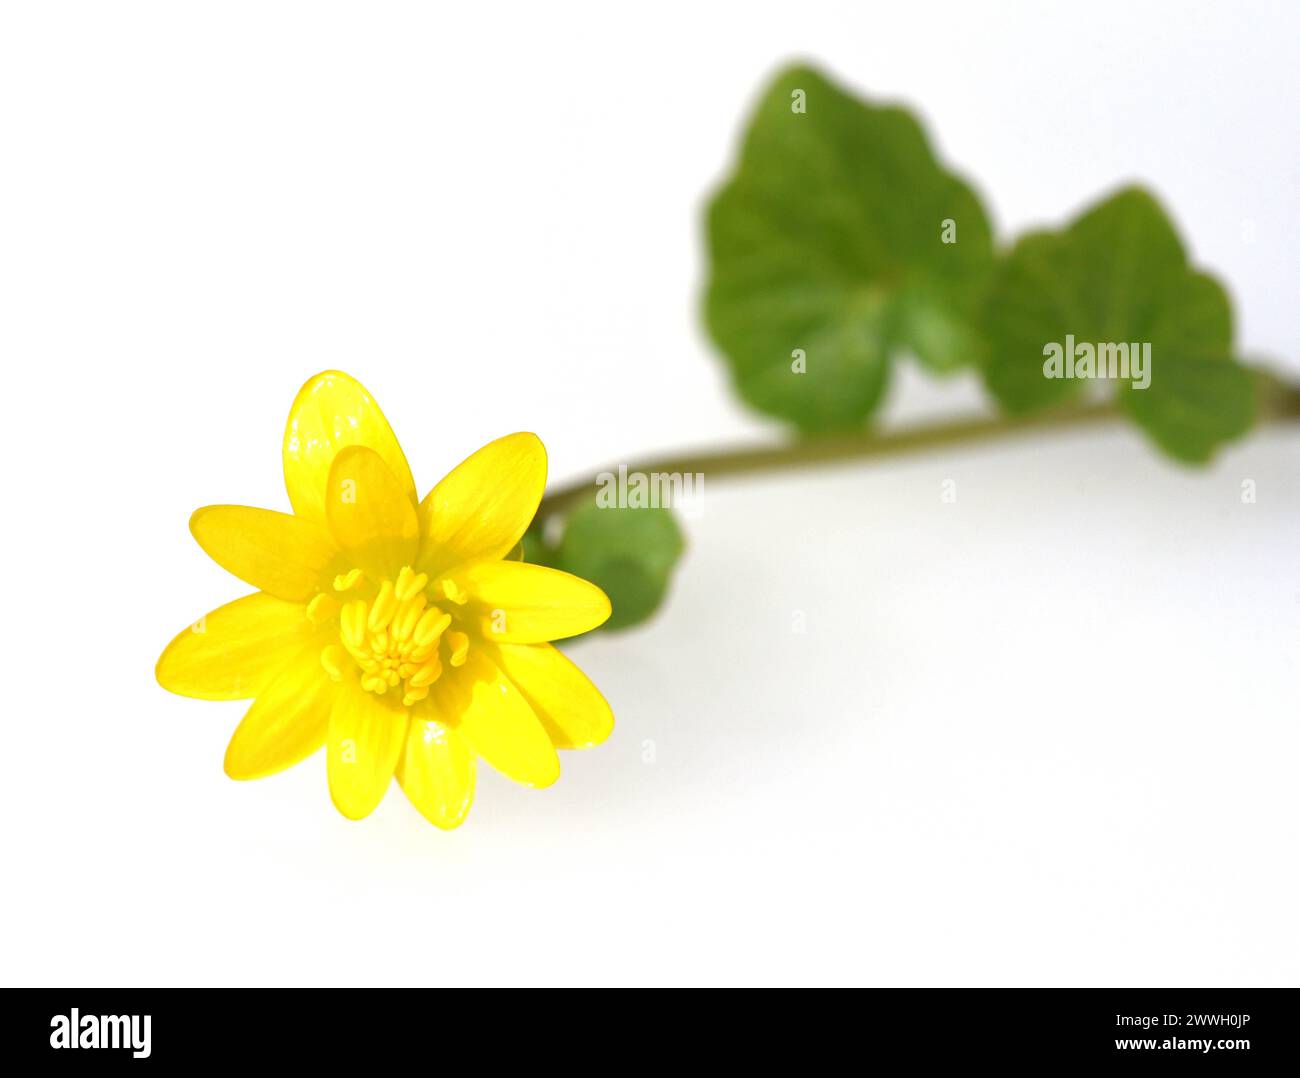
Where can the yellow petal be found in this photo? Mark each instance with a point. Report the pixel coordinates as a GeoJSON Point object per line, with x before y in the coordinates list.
{"type": "Point", "coordinates": [331, 411]}
{"type": "Point", "coordinates": [287, 722]}
{"type": "Point", "coordinates": [369, 515]}
{"type": "Point", "coordinates": [519, 603]}
{"type": "Point", "coordinates": [437, 773]}
{"type": "Point", "coordinates": [234, 652]}
{"type": "Point", "coordinates": [366, 736]}
{"type": "Point", "coordinates": [484, 505]}
{"type": "Point", "coordinates": [278, 553]}
{"type": "Point", "coordinates": [495, 719]}
{"type": "Point", "coordinates": [564, 700]}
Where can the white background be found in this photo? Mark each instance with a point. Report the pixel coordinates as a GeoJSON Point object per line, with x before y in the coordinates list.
{"type": "Point", "coordinates": [1047, 735]}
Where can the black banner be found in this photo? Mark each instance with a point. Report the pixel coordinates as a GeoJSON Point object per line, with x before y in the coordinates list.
{"type": "Point", "coordinates": [1223, 1029]}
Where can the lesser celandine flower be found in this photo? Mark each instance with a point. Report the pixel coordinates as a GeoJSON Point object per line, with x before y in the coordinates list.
{"type": "Point", "coordinates": [406, 636]}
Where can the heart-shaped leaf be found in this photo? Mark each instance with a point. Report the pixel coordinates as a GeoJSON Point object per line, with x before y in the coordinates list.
{"type": "Point", "coordinates": [1118, 275]}
{"type": "Point", "coordinates": [838, 243]}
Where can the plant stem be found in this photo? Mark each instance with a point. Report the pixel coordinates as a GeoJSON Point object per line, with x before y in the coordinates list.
{"type": "Point", "coordinates": [1276, 402]}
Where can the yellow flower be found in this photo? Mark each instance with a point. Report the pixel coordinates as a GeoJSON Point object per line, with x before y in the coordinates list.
{"type": "Point", "coordinates": [406, 636]}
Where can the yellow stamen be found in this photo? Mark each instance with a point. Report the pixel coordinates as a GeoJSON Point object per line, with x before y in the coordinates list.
{"type": "Point", "coordinates": [414, 696]}
{"type": "Point", "coordinates": [453, 592]}
{"type": "Point", "coordinates": [459, 645]}
{"type": "Point", "coordinates": [347, 581]}
{"type": "Point", "coordinates": [404, 579]}
{"type": "Point", "coordinates": [431, 626]}
{"type": "Point", "coordinates": [352, 624]}
{"type": "Point", "coordinates": [322, 608]}
{"type": "Point", "coordinates": [407, 617]}
{"type": "Point", "coordinates": [394, 638]}
{"type": "Point", "coordinates": [426, 675]}
{"type": "Point", "coordinates": [384, 607]}
{"type": "Point", "coordinates": [410, 584]}
{"type": "Point", "coordinates": [332, 658]}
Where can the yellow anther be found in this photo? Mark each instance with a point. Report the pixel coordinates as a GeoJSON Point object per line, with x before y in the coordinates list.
{"type": "Point", "coordinates": [384, 607]}
{"type": "Point", "coordinates": [407, 617]}
{"type": "Point", "coordinates": [347, 580]}
{"type": "Point", "coordinates": [322, 608]}
{"type": "Point", "coordinates": [410, 583]}
{"type": "Point", "coordinates": [393, 640]}
{"type": "Point", "coordinates": [426, 675]}
{"type": "Point", "coordinates": [332, 658]}
{"type": "Point", "coordinates": [459, 645]}
{"type": "Point", "coordinates": [352, 624]}
{"type": "Point", "coordinates": [430, 627]}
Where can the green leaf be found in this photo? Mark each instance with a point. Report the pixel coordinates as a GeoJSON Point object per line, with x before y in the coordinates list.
{"type": "Point", "coordinates": [630, 553]}
{"type": "Point", "coordinates": [828, 243]}
{"type": "Point", "coordinates": [1119, 274]}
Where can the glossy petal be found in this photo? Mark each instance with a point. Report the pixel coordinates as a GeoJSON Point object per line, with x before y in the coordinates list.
{"type": "Point", "coordinates": [437, 772]}
{"type": "Point", "coordinates": [484, 505]}
{"type": "Point", "coordinates": [367, 734]}
{"type": "Point", "coordinates": [520, 603]}
{"type": "Point", "coordinates": [568, 705]}
{"type": "Point", "coordinates": [496, 720]}
{"type": "Point", "coordinates": [369, 515]}
{"type": "Point", "coordinates": [234, 652]}
{"type": "Point", "coordinates": [287, 722]}
{"type": "Point", "coordinates": [332, 411]}
{"type": "Point", "coordinates": [276, 552]}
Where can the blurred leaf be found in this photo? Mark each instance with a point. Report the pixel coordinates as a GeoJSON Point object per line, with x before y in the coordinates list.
{"type": "Point", "coordinates": [630, 553]}
{"type": "Point", "coordinates": [1119, 274]}
{"type": "Point", "coordinates": [829, 242]}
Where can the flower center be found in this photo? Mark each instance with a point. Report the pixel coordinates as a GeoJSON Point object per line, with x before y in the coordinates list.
{"type": "Point", "coordinates": [396, 636]}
